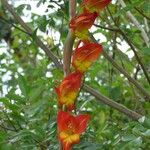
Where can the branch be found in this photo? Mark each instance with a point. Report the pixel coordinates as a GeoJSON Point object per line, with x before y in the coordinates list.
{"type": "Point", "coordinates": [69, 40]}
{"type": "Point", "coordinates": [137, 85]}
{"type": "Point", "coordinates": [136, 23]}
{"type": "Point", "coordinates": [111, 103]}
{"type": "Point", "coordinates": [72, 8]}
{"type": "Point", "coordinates": [132, 48]}
{"type": "Point", "coordinates": [148, 18]}
{"type": "Point", "coordinates": [99, 96]}
{"type": "Point", "coordinates": [9, 22]}
{"type": "Point", "coordinates": [107, 28]}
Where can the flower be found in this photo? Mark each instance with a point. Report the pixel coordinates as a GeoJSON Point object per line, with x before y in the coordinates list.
{"type": "Point", "coordinates": [81, 23]}
{"type": "Point", "coordinates": [94, 5]}
{"type": "Point", "coordinates": [70, 127]}
{"type": "Point", "coordinates": [68, 89]}
{"type": "Point", "coordinates": [85, 55]}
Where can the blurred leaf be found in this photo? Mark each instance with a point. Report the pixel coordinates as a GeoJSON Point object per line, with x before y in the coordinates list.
{"type": "Point", "coordinates": [23, 85]}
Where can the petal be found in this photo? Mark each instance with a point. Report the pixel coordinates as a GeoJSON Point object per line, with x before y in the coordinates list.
{"type": "Point", "coordinates": [82, 121]}
{"type": "Point", "coordinates": [88, 51]}
{"type": "Point", "coordinates": [68, 140]}
{"type": "Point", "coordinates": [68, 90]}
{"type": "Point", "coordinates": [94, 5]}
{"type": "Point", "coordinates": [68, 100]}
{"type": "Point", "coordinates": [85, 55]}
{"type": "Point", "coordinates": [62, 119]}
{"type": "Point", "coordinates": [74, 80]}
{"type": "Point", "coordinates": [57, 91]}
{"type": "Point", "coordinates": [83, 21]}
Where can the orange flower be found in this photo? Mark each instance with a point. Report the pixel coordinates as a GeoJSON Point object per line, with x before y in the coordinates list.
{"type": "Point", "coordinates": [81, 23]}
{"type": "Point", "coordinates": [69, 128]}
{"type": "Point", "coordinates": [68, 89]}
{"type": "Point", "coordinates": [85, 55]}
{"type": "Point", "coordinates": [94, 5]}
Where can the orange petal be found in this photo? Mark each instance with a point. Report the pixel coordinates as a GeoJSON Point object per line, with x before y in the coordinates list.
{"type": "Point", "coordinates": [85, 55]}
{"type": "Point", "coordinates": [68, 140]}
{"type": "Point", "coordinates": [83, 21]}
{"type": "Point", "coordinates": [62, 119]}
{"type": "Point", "coordinates": [82, 123]}
{"type": "Point", "coordinates": [94, 5]}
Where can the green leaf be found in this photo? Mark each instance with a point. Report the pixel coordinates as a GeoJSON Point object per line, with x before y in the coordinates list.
{"type": "Point", "coordinates": [146, 51]}
{"type": "Point", "coordinates": [128, 137]}
{"type": "Point", "coordinates": [23, 85]}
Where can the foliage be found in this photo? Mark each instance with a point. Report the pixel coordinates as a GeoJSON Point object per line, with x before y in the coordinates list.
{"type": "Point", "coordinates": [28, 103]}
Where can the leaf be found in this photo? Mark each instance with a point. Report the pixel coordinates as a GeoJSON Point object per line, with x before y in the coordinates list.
{"type": "Point", "coordinates": [128, 137]}
{"type": "Point", "coordinates": [34, 34]}
{"type": "Point", "coordinates": [23, 85]}
{"type": "Point", "coordinates": [28, 7]}
{"type": "Point", "coordinates": [128, 7]}
{"type": "Point", "coordinates": [146, 51]}
{"type": "Point", "coordinates": [20, 8]}
{"type": "Point", "coordinates": [115, 92]}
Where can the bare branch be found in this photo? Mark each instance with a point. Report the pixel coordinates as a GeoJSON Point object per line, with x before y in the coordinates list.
{"type": "Point", "coordinates": [136, 23]}
{"type": "Point", "coordinates": [113, 104]}
{"type": "Point", "coordinates": [107, 28]}
{"type": "Point", "coordinates": [69, 40]}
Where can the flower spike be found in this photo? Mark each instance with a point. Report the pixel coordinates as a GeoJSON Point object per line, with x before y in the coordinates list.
{"type": "Point", "coordinates": [70, 128]}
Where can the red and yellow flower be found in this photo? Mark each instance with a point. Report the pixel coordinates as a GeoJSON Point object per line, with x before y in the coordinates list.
{"type": "Point", "coordinates": [85, 55]}
{"type": "Point", "coordinates": [70, 128]}
{"type": "Point", "coordinates": [81, 23]}
{"type": "Point", "coordinates": [68, 89]}
{"type": "Point", "coordinates": [94, 5]}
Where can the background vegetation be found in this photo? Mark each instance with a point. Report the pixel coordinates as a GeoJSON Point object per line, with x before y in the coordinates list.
{"type": "Point", "coordinates": [28, 75]}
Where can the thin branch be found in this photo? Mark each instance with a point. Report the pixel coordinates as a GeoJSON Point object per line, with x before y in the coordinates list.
{"type": "Point", "coordinates": [107, 28]}
{"type": "Point", "coordinates": [110, 102]}
{"type": "Point", "coordinates": [137, 85]}
{"type": "Point", "coordinates": [67, 53]}
{"type": "Point", "coordinates": [137, 68]}
{"type": "Point", "coordinates": [57, 3]}
{"type": "Point", "coordinates": [41, 145]}
{"type": "Point", "coordinates": [72, 8]}
{"type": "Point", "coordinates": [132, 47]}
{"type": "Point", "coordinates": [146, 25]}
{"type": "Point", "coordinates": [136, 23]}
{"type": "Point", "coordinates": [138, 10]}
{"type": "Point", "coordinates": [8, 21]}
{"type": "Point", "coordinates": [68, 45]}
{"type": "Point", "coordinates": [136, 56]}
